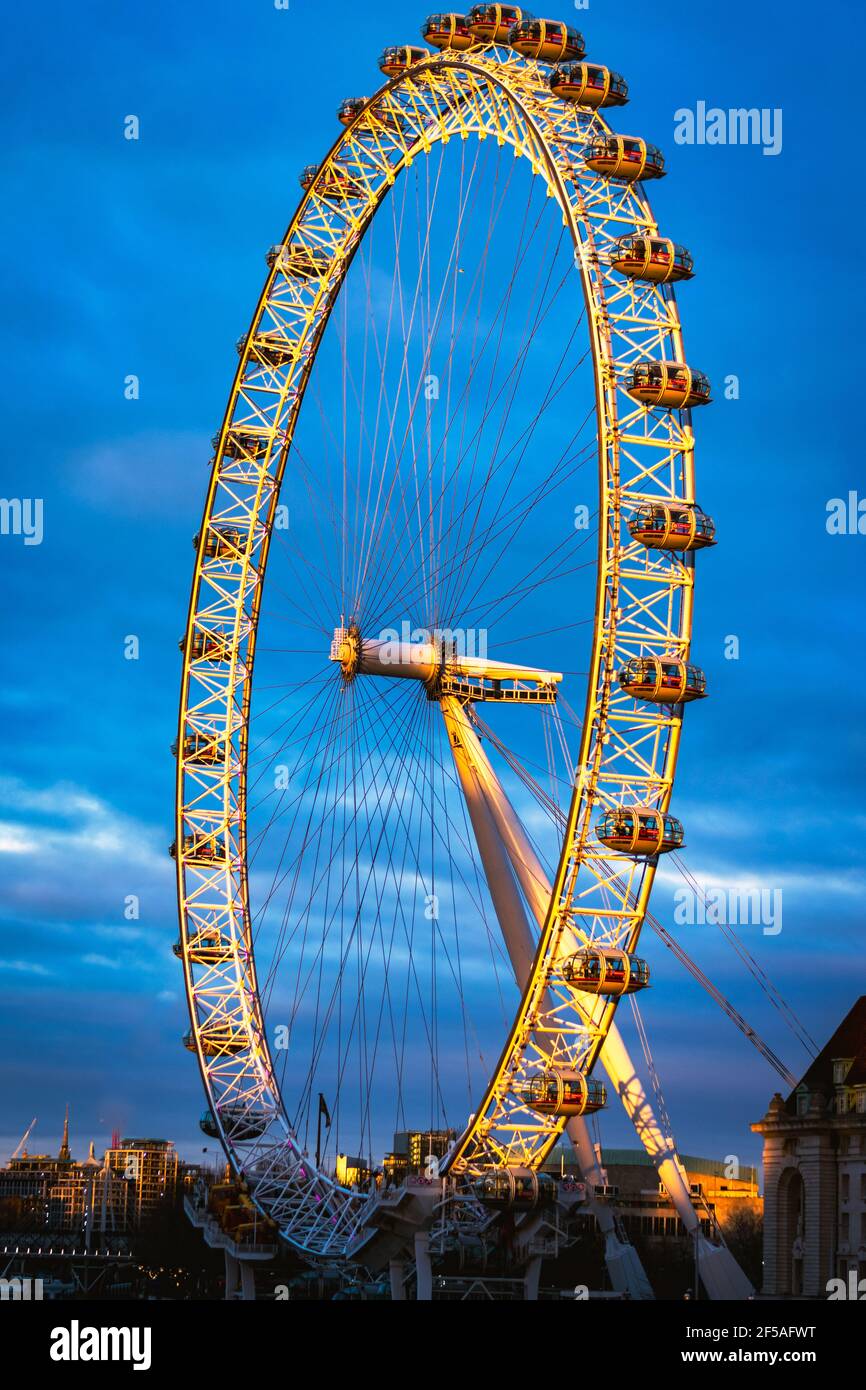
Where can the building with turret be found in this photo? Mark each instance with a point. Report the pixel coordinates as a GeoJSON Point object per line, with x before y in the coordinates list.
{"type": "Point", "coordinates": [815, 1170]}
{"type": "Point", "coordinates": [58, 1194]}
{"type": "Point", "coordinates": [125, 1190]}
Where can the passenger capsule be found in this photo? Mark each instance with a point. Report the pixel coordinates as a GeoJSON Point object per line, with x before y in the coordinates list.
{"type": "Point", "coordinates": [603, 970]}
{"type": "Point", "coordinates": [670, 384]}
{"type": "Point", "coordinates": [218, 1039]}
{"type": "Point", "coordinates": [244, 445]}
{"type": "Point", "coordinates": [359, 109]}
{"type": "Point", "coordinates": [639, 830]}
{"type": "Point", "coordinates": [350, 109]}
{"type": "Point", "coordinates": [300, 262]}
{"type": "Point", "coordinates": [207, 947]}
{"type": "Point", "coordinates": [208, 1125]}
{"type": "Point", "coordinates": [395, 61]}
{"type": "Point", "coordinates": [331, 181]}
{"type": "Point", "coordinates": [656, 259]}
{"type": "Point", "coordinates": [222, 542]}
{"type": "Point", "coordinates": [516, 1187]}
{"type": "Point", "coordinates": [209, 646]}
{"type": "Point", "coordinates": [238, 1121]}
{"type": "Point", "coordinates": [206, 750]}
{"type": "Point", "coordinates": [587, 84]}
{"type": "Point", "coordinates": [564, 1093]}
{"type": "Point", "coordinates": [268, 349]}
{"type": "Point", "coordinates": [624, 157]}
{"type": "Point", "coordinates": [662, 680]}
{"type": "Point", "coordinates": [671, 526]}
{"type": "Point", "coordinates": [494, 23]}
{"type": "Point", "coordinates": [448, 31]}
{"type": "Point", "coordinates": [546, 39]}
{"type": "Point", "coordinates": [202, 849]}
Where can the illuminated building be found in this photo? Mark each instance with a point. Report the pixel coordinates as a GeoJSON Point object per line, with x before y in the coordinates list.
{"type": "Point", "coordinates": [720, 1191]}
{"type": "Point", "coordinates": [413, 1149]}
{"type": "Point", "coordinates": [815, 1170]}
{"type": "Point", "coordinates": [41, 1192]}
{"type": "Point", "coordinates": [153, 1168]}
{"type": "Point", "coordinates": [352, 1172]}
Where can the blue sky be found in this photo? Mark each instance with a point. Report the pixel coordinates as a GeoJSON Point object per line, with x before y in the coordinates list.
{"type": "Point", "coordinates": [145, 257]}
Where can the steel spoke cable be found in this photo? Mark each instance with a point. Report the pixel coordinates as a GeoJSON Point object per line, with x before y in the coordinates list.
{"type": "Point", "coordinates": [524, 440]}
{"type": "Point", "coordinates": [528, 337]}
{"type": "Point", "coordinates": [362, 601]}
{"type": "Point", "coordinates": [449, 366]}
{"type": "Point", "coordinates": [772, 993]}
{"type": "Point", "coordinates": [359, 896]}
{"type": "Point", "coordinates": [527, 502]}
{"type": "Point", "coordinates": [664, 935]}
{"type": "Point", "coordinates": [452, 563]}
{"type": "Point", "coordinates": [375, 528]}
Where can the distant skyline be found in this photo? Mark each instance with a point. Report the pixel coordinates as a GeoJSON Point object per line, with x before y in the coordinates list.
{"type": "Point", "coordinates": [145, 258]}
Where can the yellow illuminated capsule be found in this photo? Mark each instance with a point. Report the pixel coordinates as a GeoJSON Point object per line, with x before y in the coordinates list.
{"type": "Point", "coordinates": [546, 39]}
{"type": "Point", "coordinates": [300, 262]}
{"type": "Point", "coordinates": [672, 526]}
{"type": "Point", "coordinates": [448, 31]}
{"type": "Point", "coordinates": [354, 109]}
{"type": "Point", "coordinates": [626, 158]}
{"type": "Point", "coordinates": [395, 61]}
{"type": "Point", "coordinates": [662, 681]}
{"type": "Point", "coordinates": [207, 948]}
{"type": "Point", "coordinates": [493, 23]}
{"type": "Point", "coordinates": [603, 970]}
{"type": "Point", "coordinates": [564, 1093]}
{"type": "Point", "coordinates": [588, 85]}
{"type": "Point", "coordinates": [201, 848]}
{"type": "Point", "coordinates": [334, 183]}
{"type": "Point", "coordinates": [268, 349]}
{"type": "Point", "coordinates": [218, 1040]}
{"type": "Point", "coordinates": [639, 830]}
{"type": "Point", "coordinates": [209, 646]}
{"type": "Point", "coordinates": [350, 109]}
{"type": "Point", "coordinates": [653, 258]}
{"type": "Point", "coordinates": [670, 384]}
{"type": "Point", "coordinates": [222, 542]}
{"type": "Point", "coordinates": [204, 749]}
{"type": "Point", "coordinates": [243, 445]}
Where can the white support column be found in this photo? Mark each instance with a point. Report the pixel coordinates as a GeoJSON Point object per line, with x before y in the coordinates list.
{"type": "Point", "coordinates": [532, 1279]}
{"type": "Point", "coordinates": [423, 1267]}
{"type": "Point", "coordinates": [397, 1274]}
{"type": "Point", "coordinates": [248, 1281]}
{"type": "Point", "coordinates": [232, 1277]}
{"type": "Point", "coordinates": [623, 1263]}
{"type": "Point", "coordinates": [614, 1056]}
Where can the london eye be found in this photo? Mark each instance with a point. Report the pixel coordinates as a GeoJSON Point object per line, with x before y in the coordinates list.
{"type": "Point", "coordinates": [439, 650]}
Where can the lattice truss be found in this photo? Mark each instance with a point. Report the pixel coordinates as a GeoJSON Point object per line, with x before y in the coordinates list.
{"type": "Point", "coordinates": [644, 606]}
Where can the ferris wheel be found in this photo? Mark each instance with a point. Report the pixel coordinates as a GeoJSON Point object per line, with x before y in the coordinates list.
{"type": "Point", "coordinates": [438, 646]}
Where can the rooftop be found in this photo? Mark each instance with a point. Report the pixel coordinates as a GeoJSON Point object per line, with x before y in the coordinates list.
{"type": "Point", "coordinates": [639, 1158]}
{"type": "Point", "coordinates": [849, 1041]}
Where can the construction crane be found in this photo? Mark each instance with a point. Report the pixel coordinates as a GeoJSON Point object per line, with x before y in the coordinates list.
{"type": "Point", "coordinates": [27, 1134]}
